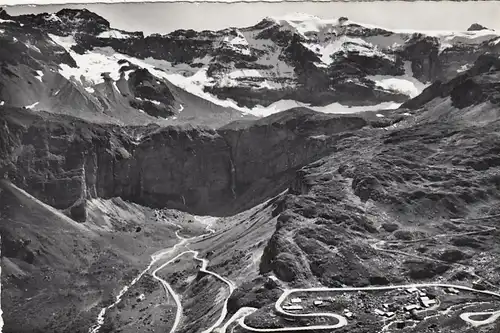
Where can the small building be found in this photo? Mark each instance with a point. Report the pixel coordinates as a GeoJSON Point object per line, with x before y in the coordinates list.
{"type": "Point", "coordinates": [412, 307]}
{"type": "Point", "coordinates": [379, 312]}
{"type": "Point", "coordinates": [390, 314]}
{"type": "Point", "coordinates": [141, 298]}
{"type": "Point", "coordinates": [293, 307]}
{"type": "Point", "coordinates": [348, 313]}
{"type": "Point", "coordinates": [296, 300]}
{"type": "Point", "coordinates": [452, 290]}
{"type": "Point", "coordinates": [317, 303]}
{"type": "Point", "coordinates": [427, 302]}
{"type": "Point", "coordinates": [412, 290]}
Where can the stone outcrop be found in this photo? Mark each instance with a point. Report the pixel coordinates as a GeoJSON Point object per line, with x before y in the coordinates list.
{"type": "Point", "coordinates": [476, 27]}
{"type": "Point", "coordinates": [472, 87]}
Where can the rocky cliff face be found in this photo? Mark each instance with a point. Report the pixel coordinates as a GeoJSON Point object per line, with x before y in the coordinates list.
{"type": "Point", "coordinates": [477, 85]}
{"type": "Point", "coordinates": [64, 161]}
{"type": "Point", "coordinates": [417, 170]}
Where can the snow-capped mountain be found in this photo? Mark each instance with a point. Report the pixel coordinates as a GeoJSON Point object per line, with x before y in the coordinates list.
{"type": "Point", "coordinates": [73, 62]}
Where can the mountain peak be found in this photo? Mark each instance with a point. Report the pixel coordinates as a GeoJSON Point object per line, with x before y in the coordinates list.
{"type": "Point", "coordinates": [477, 27]}
{"type": "Point", "coordinates": [65, 21]}
{"type": "Point", "coordinates": [3, 14]}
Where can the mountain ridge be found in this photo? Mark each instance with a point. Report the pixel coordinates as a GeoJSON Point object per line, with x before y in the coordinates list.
{"type": "Point", "coordinates": [346, 64]}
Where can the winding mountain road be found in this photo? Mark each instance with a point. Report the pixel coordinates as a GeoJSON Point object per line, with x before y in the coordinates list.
{"type": "Point", "coordinates": [168, 289]}
{"type": "Point", "coordinates": [242, 313]}
{"type": "Point", "coordinates": [342, 321]}
{"type": "Point", "coordinates": [154, 258]}
{"type": "Point", "coordinates": [204, 265]}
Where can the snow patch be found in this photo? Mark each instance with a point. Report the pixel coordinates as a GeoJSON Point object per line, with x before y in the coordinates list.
{"type": "Point", "coordinates": [7, 21]}
{"type": "Point", "coordinates": [464, 68]}
{"type": "Point", "coordinates": [244, 73]}
{"type": "Point", "coordinates": [345, 44]}
{"type": "Point", "coordinates": [90, 90]}
{"type": "Point", "coordinates": [116, 87]}
{"type": "Point", "coordinates": [127, 74]}
{"type": "Point", "coordinates": [326, 51]}
{"type": "Point", "coordinates": [148, 100]}
{"type": "Point", "coordinates": [181, 108]}
{"type": "Point", "coordinates": [379, 115]}
{"type": "Point", "coordinates": [237, 43]}
{"type": "Point", "coordinates": [319, 137]}
{"type": "Point", "coordinates": [53, 17]}
{"type": "Point", "coordinates": [181, 69]}
{"type": "Point", "coordinates": [344, 109]}
{"type": "Point", "coordinates": [405, 84]}
{"type": "Point", "coordinates": [396, 84]}
{"type": "Point", "coordinates": [239, 40]}
{"type": "Point", "coordinates": [91, 65]}
{"type": "Point", "coordinates": [337, 108]}
{"type": "Point", "coordinates": [39, 75]}
{"type": "Point", "coordinates": [2, 103]}
{"type": "Point", "coordinates": [114, 34]}
{"type": "Point", "coordinates": [33, 47]}
{"type": "Point", "coordinates": [32, 105]}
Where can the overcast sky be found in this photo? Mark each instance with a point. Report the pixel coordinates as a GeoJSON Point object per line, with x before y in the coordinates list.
{"type": "Point", "coordinates": [166, 17]}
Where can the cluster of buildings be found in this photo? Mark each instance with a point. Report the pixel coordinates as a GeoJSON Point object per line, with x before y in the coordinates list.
{"type": "Point", "coordinates": [424, 301]}
{"type": "Point", "coordinates": [294, 304]}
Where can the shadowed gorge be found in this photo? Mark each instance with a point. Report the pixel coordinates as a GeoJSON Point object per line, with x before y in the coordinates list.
{"type": "Point", "coordinates": [65, 161]}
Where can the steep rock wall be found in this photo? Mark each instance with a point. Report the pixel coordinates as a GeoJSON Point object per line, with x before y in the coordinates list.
{"type": "Point", "coordinates": [62, 160]}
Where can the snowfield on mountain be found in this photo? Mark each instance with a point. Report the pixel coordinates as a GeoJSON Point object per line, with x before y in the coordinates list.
{"type": "Point", "coordinates": [237, 73]}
